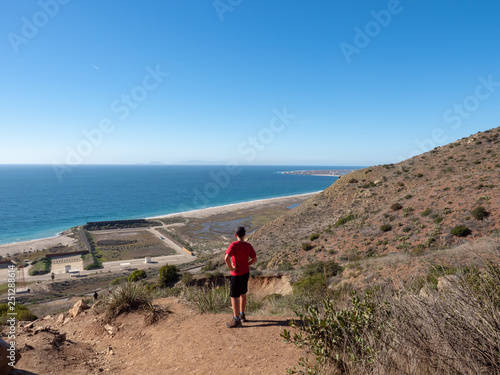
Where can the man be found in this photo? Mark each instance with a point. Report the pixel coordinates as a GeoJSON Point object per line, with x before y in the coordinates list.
{"type": "Point", "coordinates": [239, 256]}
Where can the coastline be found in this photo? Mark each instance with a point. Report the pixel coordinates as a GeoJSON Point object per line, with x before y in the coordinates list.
{"type": "Point", "coordinates": [209, 211]}
{"type": "Point", "coordinates": [62, 239]}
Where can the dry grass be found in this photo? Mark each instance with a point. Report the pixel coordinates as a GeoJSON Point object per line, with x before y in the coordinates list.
{"type": "Point", "coordinates": [452, 330]}
{"type": "Point", "coordinates": [124, 298]}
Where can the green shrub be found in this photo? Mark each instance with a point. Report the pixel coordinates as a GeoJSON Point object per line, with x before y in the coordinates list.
{"type": "Point", "coordinates": [137, 275]}
{"type": "Point", "coordinates": [407, 211]}
{"type": "Point", "coordinates": [408, 196]}
{"type": "Point", "coordinates": [312, 286]}
{"type": "Point", "coordinates": [438, 219]}
{"type": "Point", "coordinates": [426, 212]}
{"type": "Point", "coordinates": [22, 313]}
{"type": "Point", "coordinates": [187, 279]}
{"type": "Point", "coordinates": [344, 220]}
{"type": "Point", "coordinates": [368, 185]}
{"type": "Point", "coordinates": [119, 280]}
{"type": "Point", "coordinates": [335, 336]}
{"type": "Point", "coordinates": [306, 246]}
{"type": "Point", "coordinates": [169, 275]}
{"type": "Point", "coordinates": [329, 268]}
{"type": "Point", "coordinates": [396, 207]}
{"type": "Point", "coordinates": [460, 231]}
{"type": "Point", "coordinates": [385, 227]}
{"type": "Point", "coordinates": [353, 181]}
{"type": "Point", "coordinates": [313, 237]}
{"type": "Point", "coordinates": [479, 213]}
{"type": "Point", "coordinates": [41, 266]}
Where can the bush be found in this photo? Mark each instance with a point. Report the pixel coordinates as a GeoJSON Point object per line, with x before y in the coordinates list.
{"type": "Point", "coordinates": [385, 227]}
{"type": "Point", "coordinates": [207, 299]}
{"type": "Point", "coordinates": [313, 237]}
{"type": "Point", "coordinates": [312, 286]}
{"type": "Point", "coordinates": [22, 313]}
{"type": "Point", "coordinates": [119, 280]}
{"type": "Point", "coordinates": [479, 213]}
{"type": "Point", "coordinates": [124, 298]}
{"type": "Point", "coordinates": [353, 181]}
{"type": "Point", "coordinates": [187, 279]}
{"type": "Point", "coordinates": [329, 268]}
{"type": "Point", "coordinates": [396, 207]}
{"type": "Point", "coordinates": [137, 275]}
{"type": "Point", "coordinates": [41, 267]}
{"type": "Point", "coordinates": [344, 220]}
{"type": "Point", "coordinates": [426, 212]}
{"type": "Point", "coordinates": [453, 331]}
{"type": "Point", "coordinates": [336, 337]}
{"type": "Point", "coordinates": [438, 219]}
{"type": "Point", "coordinates": [169, 275]}
{"type": "Point", "coordinates": [306, 246]}
{"type": "Point", "coordinates": [460, 231]}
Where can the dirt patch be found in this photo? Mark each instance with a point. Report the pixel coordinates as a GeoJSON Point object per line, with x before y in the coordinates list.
{"type": "Point", "coordinates": [183, 342]}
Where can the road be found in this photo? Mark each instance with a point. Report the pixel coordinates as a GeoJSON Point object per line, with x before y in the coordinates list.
{"type": "Point", "coordinates": [113, 267]}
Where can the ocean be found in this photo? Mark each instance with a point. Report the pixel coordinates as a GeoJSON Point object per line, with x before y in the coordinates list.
{"type": "Point", "coordinates": [36, 203]}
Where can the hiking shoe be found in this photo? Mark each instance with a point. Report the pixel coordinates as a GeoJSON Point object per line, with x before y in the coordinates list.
{"type": "Point", "coordinates": [234, 323]}
{"type": "Point", "coordinates": [243, 318]}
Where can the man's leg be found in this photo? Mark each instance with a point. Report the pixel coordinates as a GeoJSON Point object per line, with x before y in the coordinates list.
{"type": "Point", "coordinates": [235, 302]}
{"type": "Point", "coordinates": [243, 303]}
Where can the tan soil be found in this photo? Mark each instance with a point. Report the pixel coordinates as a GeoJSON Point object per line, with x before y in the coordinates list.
{"type": "Point", "coordinates": [183, 342]}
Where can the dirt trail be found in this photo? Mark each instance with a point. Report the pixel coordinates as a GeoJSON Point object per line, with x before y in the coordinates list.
{"type": "Point", "coordinates": [183, 342]}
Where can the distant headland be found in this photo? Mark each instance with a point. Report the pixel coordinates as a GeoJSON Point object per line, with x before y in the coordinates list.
{"type": "Point", "coordinates": [322, 172]}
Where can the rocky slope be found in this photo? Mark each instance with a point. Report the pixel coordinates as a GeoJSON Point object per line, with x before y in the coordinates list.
{"type": "Point", "coordinates": [408, 207]}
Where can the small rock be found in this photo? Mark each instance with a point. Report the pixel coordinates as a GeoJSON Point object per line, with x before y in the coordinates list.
{"type": "Point", "coordinates": [109, 328]}
{"type": "Point", "coordinates": [77, 308]}
{"type": "Point", "coordinates": [60, 319]}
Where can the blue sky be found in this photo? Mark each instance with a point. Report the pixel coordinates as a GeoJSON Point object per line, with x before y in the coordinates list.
{"type": "Point", "coordinates": [256, 82]}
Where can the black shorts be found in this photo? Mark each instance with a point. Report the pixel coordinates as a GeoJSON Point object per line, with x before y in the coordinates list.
{"type": "Point", "coordinates": [239, 285]}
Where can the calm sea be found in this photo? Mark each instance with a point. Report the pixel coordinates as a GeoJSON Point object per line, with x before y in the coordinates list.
{"type": "Point", "coordinates": [34, 203]}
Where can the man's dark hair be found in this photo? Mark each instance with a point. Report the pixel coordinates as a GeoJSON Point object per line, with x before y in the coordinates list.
{"type": "Point", "coordinates": [240, 232]}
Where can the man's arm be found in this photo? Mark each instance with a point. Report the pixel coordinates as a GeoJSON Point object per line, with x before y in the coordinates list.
{"type": "Point", "coordinates": [252, 260]}
{"type": "Point", "coordinates": [227, 259]}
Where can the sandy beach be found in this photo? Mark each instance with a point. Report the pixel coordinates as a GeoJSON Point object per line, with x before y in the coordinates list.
{"type": "Point", "coordinates": [35, 245]}
{"type": "Point", "coordinates": [205, 212]}
{"type": "Point", "coordinates": [45, 243]}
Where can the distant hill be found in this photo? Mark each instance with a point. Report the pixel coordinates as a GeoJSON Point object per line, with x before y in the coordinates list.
{"type": "Point", "coordinates": [410, 207]}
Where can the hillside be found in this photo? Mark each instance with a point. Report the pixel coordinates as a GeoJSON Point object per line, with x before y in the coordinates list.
{"type": "Point", "coordinates": [409, 207]}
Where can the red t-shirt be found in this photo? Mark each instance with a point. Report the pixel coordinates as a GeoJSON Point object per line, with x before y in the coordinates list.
{"type": "Point", "coordinates": [240, 253]}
